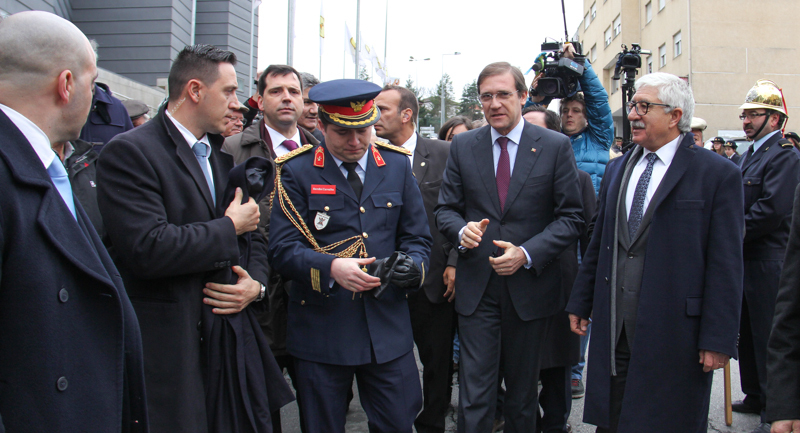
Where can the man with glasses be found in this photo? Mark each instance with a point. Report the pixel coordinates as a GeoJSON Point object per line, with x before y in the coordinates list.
{"type": "Point", "coordinates": [770, 172]}
{"type": "Point", "coordinates": [235, 121]}
{"type": "Point", "coordinates": [510, 200]}
{"type": "Point", "coordinates": [662, 277]}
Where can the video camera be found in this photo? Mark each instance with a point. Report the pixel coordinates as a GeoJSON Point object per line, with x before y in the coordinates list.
{"type": "Point", "coordinates": [629, 61]}
{"type": "Point", "coordinates": [560, 74]}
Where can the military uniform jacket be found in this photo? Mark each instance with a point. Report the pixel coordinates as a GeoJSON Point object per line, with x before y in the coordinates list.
{"type": "Point", "coordinates": [770, 176]}
{"type": "Point", "coordinates": [327, 323]}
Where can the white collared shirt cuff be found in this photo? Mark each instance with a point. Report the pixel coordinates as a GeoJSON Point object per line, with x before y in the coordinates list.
{"type": "Point", "coordinates": [527, 256]}
{"type": "Point", "coordinates": [461, 232]}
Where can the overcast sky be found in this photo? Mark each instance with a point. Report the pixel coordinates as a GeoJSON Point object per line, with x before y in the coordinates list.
{"type": "Point", "coordinates": [483, 31]}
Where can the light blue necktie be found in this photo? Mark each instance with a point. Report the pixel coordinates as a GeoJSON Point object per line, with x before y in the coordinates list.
{"type": "Point", "coordinates": [60, 179]}
{"type": "Point", "coordinates": [201, 153]}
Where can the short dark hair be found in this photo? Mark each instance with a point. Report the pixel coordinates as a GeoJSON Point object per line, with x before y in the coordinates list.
{"type": "Point", "coordinates": [407, 100]}
{"type": "Point", "coordinates": [200, 62]}
{"type": "Point", "coordinates": [578, 97]}
{"type": "Point", "coordinates": [308, 80]}
{"type": "Point", "coordinates": [498, 68]}
{"type": "Point", "coordinates": [280, 71]}
{"type": "Point", "coordinates": [551, 119]}
{"type": "Point", "coordinates": [452, 123]}
{"type": "Point", "coordinates": [782, 118]}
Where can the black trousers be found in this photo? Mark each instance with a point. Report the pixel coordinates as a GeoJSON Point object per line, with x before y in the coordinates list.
{"type": "Point", "coordinates": [390, 394]}
{"type": "Point", "coordinates": [433, 326]}
{"type": "Point", "coordinates": [495, 329]}
{"type": "Point", "coordinates": [555, 398]}
{"type": "Point", "coordinates": [287, 362]}
{"type": "Point", "coordinates": [761, 280]}
{"type": "Point", "coordinates": [622, 360]}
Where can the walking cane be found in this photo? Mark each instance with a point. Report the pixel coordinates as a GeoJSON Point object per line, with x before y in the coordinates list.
{"type": "Point", "coordinates": [728, 408]}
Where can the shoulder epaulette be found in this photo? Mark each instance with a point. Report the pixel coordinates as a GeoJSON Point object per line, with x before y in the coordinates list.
{"type": "Point", "coordinates": [786, 143]}
{"type": "Point", "coordinates": [392, 147]}
{"type": "Point", "coordinates": [292, 154]}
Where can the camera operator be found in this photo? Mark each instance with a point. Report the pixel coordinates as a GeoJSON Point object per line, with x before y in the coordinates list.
{"type": "Point", "coordinates": [586, 119]}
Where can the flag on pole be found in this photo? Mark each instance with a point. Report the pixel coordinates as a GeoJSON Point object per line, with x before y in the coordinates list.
{"type": "Point", "coordinates": [321, 26]}
{"type": "Point", "coordinates": [350, 42]}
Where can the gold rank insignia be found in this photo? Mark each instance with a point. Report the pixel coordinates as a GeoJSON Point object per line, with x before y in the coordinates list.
{"type": "Point", "coordinates": [392, 147]}
{"type": "Point", "coordinates": [315, 280]}
{"type": "Point", "coordinates": [787, 144]}
{"type": "Point", "coordinates": [292, 154]}
{"type": "Point", "coordinates": [378, 158]}
{"type": "Point", "coordinates": [358, 106]}
{"type": "Point", "coordinates": [319, 157]}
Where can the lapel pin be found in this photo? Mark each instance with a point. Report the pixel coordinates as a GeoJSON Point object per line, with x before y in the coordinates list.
{"type": "Point", "coordinates": [533, 150]}
{"type": "Point", "coordinates": [422, 164]}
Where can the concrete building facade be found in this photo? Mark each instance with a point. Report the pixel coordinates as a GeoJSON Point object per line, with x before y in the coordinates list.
{"type": "Point", "coordinates": [139, 40]}
{"type": "Point", "coordinates": [720, 46]}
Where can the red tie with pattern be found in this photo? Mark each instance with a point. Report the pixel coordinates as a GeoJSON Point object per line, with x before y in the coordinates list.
{"type": "Point", "coordinates": [503, 175]}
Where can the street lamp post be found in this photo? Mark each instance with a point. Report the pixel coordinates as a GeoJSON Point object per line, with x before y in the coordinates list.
{"type": "Point", "coordinates": [444, 89]}
{"type": "Point", "coordinates": [416, 67]}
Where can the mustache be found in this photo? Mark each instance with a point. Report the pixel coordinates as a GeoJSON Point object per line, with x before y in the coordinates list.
{"type": "Point", "coordinates": [637, 124]}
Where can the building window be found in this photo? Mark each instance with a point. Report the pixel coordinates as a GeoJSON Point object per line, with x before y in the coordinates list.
{"type": "Point", "coordinates": [608, 36]}
{"type": "Point", "coordinates": [676, 44]}
{"type": "Point", "coordinates": [661, 4]}
{"type": "Point", "coordinates": [586, 21]}
{"type": "Point", "coordinates": [617, 25]}
{"type": "Point", "coordinates": [594, 11]}
{"type": "Point", "coordinates": [662, 56]}
{"type": "Point", "coordinates": [593, 56]}
{"type": "Point", "coordinates": [650, 65]}
{"type": "Point", "coordinates": [648, 12]}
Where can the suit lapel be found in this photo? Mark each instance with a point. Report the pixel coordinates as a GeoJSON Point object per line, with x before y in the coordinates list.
{"type": "Point", "coordinates": [484, 161]}
{"type": "Point", "coordinates": [680, 162]}
{"type": "Point", "coordinates": [523, 165]}
{"type": "Point", "coordinates": [221, 164]}
{"type": "Point", "coordinates": [621, 192]}
{"type": "Point", "coordinates": [374, 176]}
{"type": "Point", "coordinates": [187, 158]}
{"type": "Point", "coordinates": [421, 162]}
{"type": "Point", "coordinates": [333, 175]}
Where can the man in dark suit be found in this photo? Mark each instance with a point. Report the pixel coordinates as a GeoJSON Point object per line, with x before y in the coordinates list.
{"type": "Point", "coordinates": [280, 93]}
{"type": "Point", "coordinates": [770, 173]}
{"type": "Point", "coordinates": [159, 191]}
{"type": "Point", "coordinates": [662, 278]}
{"type": "Point", "coordinates": [338, 207]}
{"type": "Point", "coordinates": [510, 199]}
{"type": "Point", "coordinates": [71, 347]}
{"type": "Point", "coordinates": [783, 357]}
{"type": "Point", "coordinates": [432, 312]}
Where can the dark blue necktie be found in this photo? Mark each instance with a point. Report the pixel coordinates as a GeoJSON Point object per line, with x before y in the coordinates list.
{"type": "Point", "coordinates": [201, 153]}
{"type": "Point", "coordinates": [58, 174]}
{"type": "Point", "coordinates": [637, 207]}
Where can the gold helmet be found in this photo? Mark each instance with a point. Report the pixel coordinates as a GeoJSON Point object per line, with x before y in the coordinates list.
{"type": "Point", "coordinates": [765, 94]}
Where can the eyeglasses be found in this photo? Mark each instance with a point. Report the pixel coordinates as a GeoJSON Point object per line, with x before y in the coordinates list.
{"type": "Point", "coordinates": [487, 98]}
{"type": "Point", "coordinates": [235, 119]}
{"type": "Point", "coordinates": [751, 116]}
{"type": "Point", "coordinates": [642, 107]}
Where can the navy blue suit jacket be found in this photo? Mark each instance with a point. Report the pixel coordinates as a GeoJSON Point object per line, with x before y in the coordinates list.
{"type": "Point", "coordinates": [331, 325]}
{"type": "Point", "coordinates": [690, 296]}
{"type": "Point", "coordinates": [70, 347]}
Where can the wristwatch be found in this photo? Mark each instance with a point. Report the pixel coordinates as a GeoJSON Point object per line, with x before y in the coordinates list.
{"type": "Point", "coordinates": [262, 294]}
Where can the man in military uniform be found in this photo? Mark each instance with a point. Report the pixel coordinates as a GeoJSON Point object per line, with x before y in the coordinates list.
{"type": "Point", "coordinates": [337, 208]}
{"type": "Point", "coordinates": [770, 172]}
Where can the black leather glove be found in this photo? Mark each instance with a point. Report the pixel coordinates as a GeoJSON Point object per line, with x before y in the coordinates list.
{"type": "Point", "coordinates": [398, 269]}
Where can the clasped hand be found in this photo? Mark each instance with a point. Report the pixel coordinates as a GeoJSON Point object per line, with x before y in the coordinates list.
{"type": "Point", "coordinates": [232, 298]}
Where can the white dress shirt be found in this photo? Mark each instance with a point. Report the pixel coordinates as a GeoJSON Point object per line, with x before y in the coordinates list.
{"type": "Point", "coordinates": [191, 140]}
{"type": "Point", "coordinates": [411, 146]}
{"type": "Point", "coordinates": [665, 155]}
{"type": "Point", "coordinates": [39, 141]}
{"type": "Point", "coordinates": [361, 169]}
{"type": "Point", "coordinates": [278, 139]}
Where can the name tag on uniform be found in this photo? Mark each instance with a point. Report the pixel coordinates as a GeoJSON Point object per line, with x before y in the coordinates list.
{"type": "Point", "coordinates": [323, 189]}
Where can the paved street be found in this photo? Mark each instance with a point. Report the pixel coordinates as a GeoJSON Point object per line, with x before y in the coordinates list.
{"type": "Point", "coordinates": [357, 420]}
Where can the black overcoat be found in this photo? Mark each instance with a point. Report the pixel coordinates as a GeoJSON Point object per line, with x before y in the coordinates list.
{"type": "Point", "coordinates": [167, 241]}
